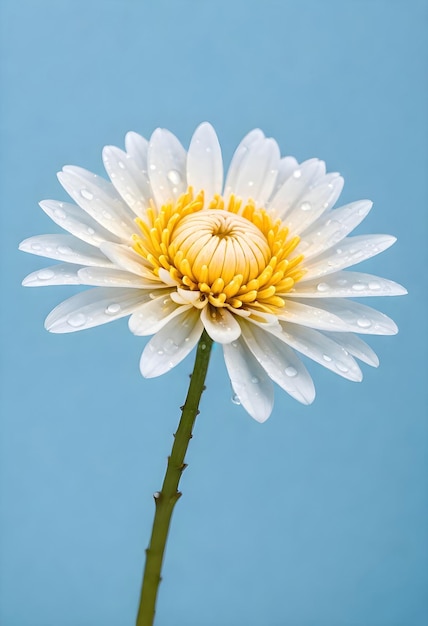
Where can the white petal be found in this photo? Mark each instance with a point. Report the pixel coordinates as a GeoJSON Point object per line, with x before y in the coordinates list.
{"type": "Point", "coordinates": [299, 183]}
{"type": "Point", "coordinates": [61, 274]}
{"type": "Point", "coordinates": [185, 296]}
{"type": "Point", "coordinates": [239, 157]}
{"type": "Point", "coordinates": [92, 308]}
{"type": "Point", "coordinates": [127, 259]}
{"type": "Point", "coordinates": [74, 219]}
{"type": "Point", "coordinates": [129, 181]}
{"type": "Point", "coordinates": [321, 349]}
{"type": "Point", "coordinates": [350, 251]}
{"type": "Point", "coordinates": [355, 346]}
{"type": "Point", "coordinates": [154, 314]}
{"type": "Point", "coordinates": [167, 166]}
{"type": "Point", "coordinates": [314, 203]}
{"type": "Point", "coordinates": [258, 171]}
{"type": "Point", "coordinates": [286, 167]}
{"type": "Point", "coordinates": [111, 277]}
{"type": "Point", "coordinates": [346, 285]}
{"type": "Point", "coordinates": [204, 162]}
{"type": "Point", "coordinates": [220, 324]}
{"type": "Point", "coordinates": [64, 248]}
{"type": "Point", "coordinates": [171, 344]}
{"type": "Point", "coordinates": [99, 199]}
{"type": "Point", "coordinates": [249, 381]}
{"type": "Point", "coordinates": [279, 362]}
{"type": "Point", "coordinates": [332, 227]}
{"type": "Point", "coordinates": [308, 315]}
{"type": "Point", "coordinates": [137, 146]}
{"type": "Point", "coordinates": [358, 317]}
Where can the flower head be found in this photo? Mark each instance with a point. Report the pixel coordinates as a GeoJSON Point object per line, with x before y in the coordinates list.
{"type": "Point", "coordinates": [257, 262]}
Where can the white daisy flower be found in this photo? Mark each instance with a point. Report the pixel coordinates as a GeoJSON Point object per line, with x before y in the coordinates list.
{"type": "Point", "coordinates": [257, 262]}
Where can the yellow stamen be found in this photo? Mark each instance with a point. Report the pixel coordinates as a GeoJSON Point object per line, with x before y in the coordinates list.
{"type": "Point", "coordinates": [234, 254]}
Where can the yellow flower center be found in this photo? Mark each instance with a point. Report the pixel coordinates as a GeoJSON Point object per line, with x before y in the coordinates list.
{"type": "Point", "coordinates": [236, 255]}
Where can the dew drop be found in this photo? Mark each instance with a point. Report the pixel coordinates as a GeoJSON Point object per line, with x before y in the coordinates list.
{"type": "Point", "coordinates": [326, 358]}
{"type": "Point", "coordinates": [85, 193]}
{"type": "Point", "coordinates": [106, 214]}
{"type": "Point", "coordinates": [291, 371]}
{"type": "Point", "coordinates": [121, 164]}
{"type": "Point", "coordinates": [297, 173]}
{"type": "Point", "coordinates": [358, 286]}
{"type": "Point", "coordinates": [255, 380]}
{"type": "Point", "coordinates": [60, 214]}
{"type": "Point", "coordinates": [36, 246]}
{"type": "Point", "coordinates": [374, 285]}
{"type": "Point", "coordinates": [152, 167]}
{"type": "Point", "coordinates": [339, 250]}
{"type": "Point", "coordinates": [234, 344]}
{"type": "Point", "coordinates": [363, 322]}
{"type": "Point", "coordinates": [170, 346]}
{"type": "Point", "coordinates": [90, 231]}
{"type": "Point", "coordinates": [112, 309]}
{"type": "Point", "coordinates": [75, 320]}
{"type": "Point", "coordinates": [251, 183]}
{"type": "Point", "coordinates": [160, 352]}
{"type": "Point", "coordinates": [45, 274]}
{"type": "Point", "coordinates": [203, 346]}
{"type": "Point", "coordinates": [322, 287]}
{"type": "Point", "coordinates": [174, 177]}
{"type": "Point", "coordinates": [342, 367]}
{"type": "Point", "coordinates": [235, 399]}
{"type": "Point", "coordinates": [306, 206]}
{"type": "Point", "coordinates": [64, 250]}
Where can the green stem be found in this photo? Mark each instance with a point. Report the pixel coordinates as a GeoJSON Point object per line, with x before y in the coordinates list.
{"type": "Point", "coordinates": [165, 499]}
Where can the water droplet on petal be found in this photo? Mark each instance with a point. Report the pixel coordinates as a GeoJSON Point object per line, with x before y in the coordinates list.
{"type": "Point", "coordinates": [322, 287]}
{"type": "Point", "coordinates": [60, 214]}
{"type": "Point", "coordinates": [326, 358]}
{"type": "Point", "coordinates": [160, 352]}
{"type": "Point", "coordinates": [174, 177]}
{"type": "Point", "coordinates": [374, 285]}
{"type": "Point", "coordinates": [45, 274]}
{"type": "Point", "coordinates": [85, 193]}
{"type": "Point", "coordinates": [152, 167]}
{"type": "Point", "coordinates": [251, 183]}
{"type": "Point", "coordinates": [170, 346]}
{"type": "Point", "coordinates": [64, 250]}
{"type": "Point", "coordinates": [306, 206]}
{"type": "Point", "coordinates": [255, 380]}
{"type": "Point", "coordinates": [363, 322]}
{"type": "Point", "coordinates": [291, 371]}
{"type": "Point", "coordinates": [90, 231]}
{"type": "Point", "coordinates": [76, 320]}
{"type": "Point", "coordinates": [112, 309]}
{"type": "Point", "coordinates": [297, 174]}
{"type": "Point", "coordinates": [121, 164]}
{"type": "Point", "coordinates": [358, 286]}
{"type": "Point", "coordinates": [36, 246]}
{"type": "Point", "coordinates": [342, 367]}
{"type": "Point", "coordinates": [235, 399]}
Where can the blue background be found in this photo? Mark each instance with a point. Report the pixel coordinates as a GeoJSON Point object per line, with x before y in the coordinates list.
{"type": "Point", "coordinates": [316, 518]}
